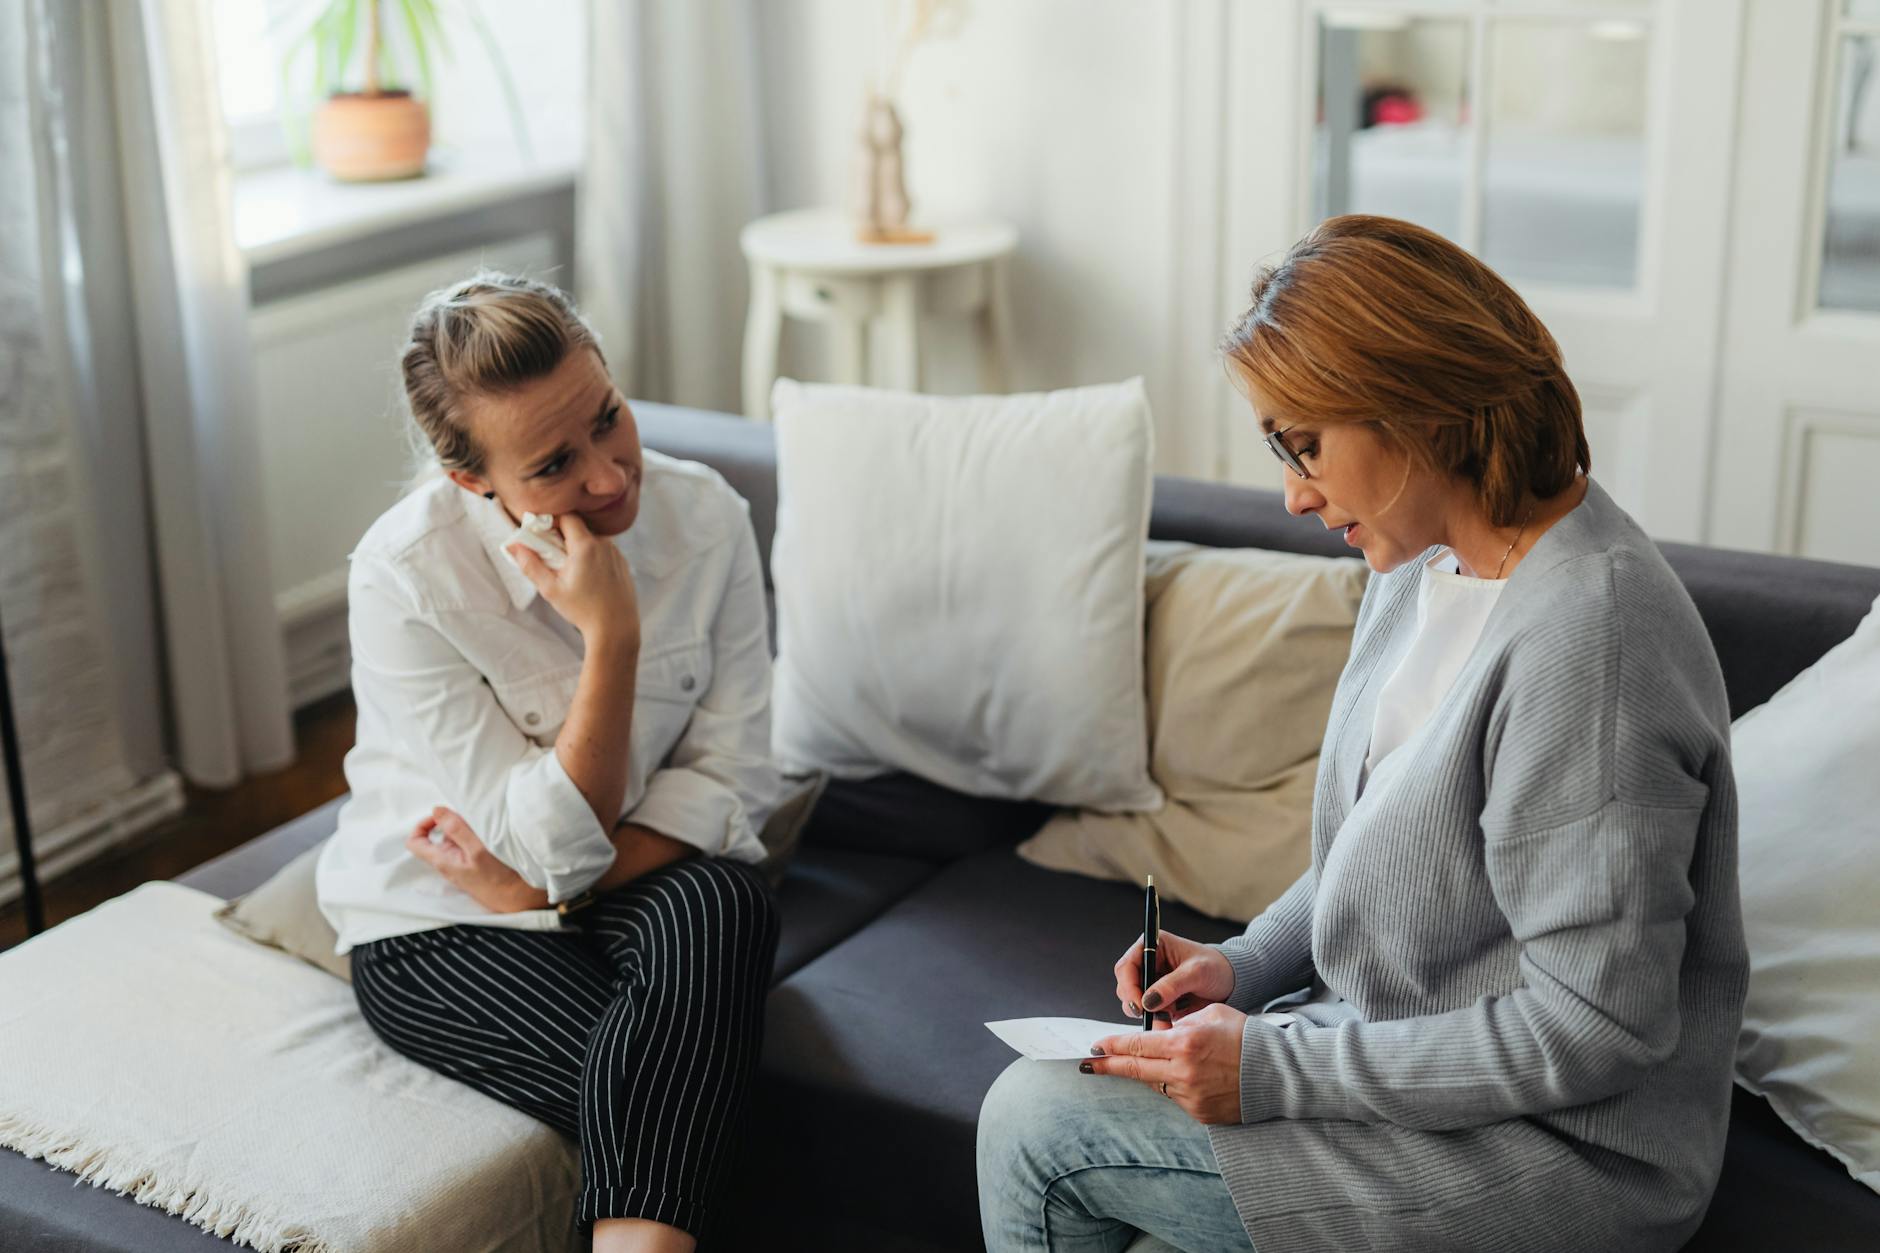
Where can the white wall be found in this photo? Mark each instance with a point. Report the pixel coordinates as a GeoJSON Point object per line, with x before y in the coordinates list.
{"type": "Point", "coordinates": [1057, 115]}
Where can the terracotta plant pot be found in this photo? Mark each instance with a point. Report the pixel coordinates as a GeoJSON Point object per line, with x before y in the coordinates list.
{"type": "Point", "coordinates": [360, 138]}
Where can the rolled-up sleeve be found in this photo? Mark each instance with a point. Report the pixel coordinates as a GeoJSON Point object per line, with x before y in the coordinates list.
{"type": "Point", "coordinates": [448, 725]}
{"type": "Point", "coordinates": [718, 785]}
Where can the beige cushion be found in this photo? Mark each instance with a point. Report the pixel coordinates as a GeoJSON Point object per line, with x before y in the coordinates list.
{"type": "Point", "coordinates": [783, 831]}
{"type": "Point", "coordinates": [1244, 649]}
{"type": "Point", "coordinates": [284, 912]}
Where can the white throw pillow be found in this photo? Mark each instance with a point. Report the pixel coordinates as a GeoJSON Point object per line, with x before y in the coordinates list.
{"type": "Point", "coordinates": [960, 589]}
{"type": "Point", "coordinates": [1810, 858]}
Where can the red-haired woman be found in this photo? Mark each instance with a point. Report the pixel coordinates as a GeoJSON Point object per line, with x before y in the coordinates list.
{"type": "Point", "coordinates": [1499, 1010]}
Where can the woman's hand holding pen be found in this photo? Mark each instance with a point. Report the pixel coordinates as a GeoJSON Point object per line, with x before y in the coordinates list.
{"type": "Point", "coordinates": [1197, 976]}
{"type": "Point", "coordinates": [1195, 1063]}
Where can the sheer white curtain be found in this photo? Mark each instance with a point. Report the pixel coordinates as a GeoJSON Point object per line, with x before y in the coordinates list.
{"type": "Point", "coordinates": [673, 171]}
{"type": "Point", "coordinates": [154, 297]}
{"type": "Point", "coordinates": [77, 768]}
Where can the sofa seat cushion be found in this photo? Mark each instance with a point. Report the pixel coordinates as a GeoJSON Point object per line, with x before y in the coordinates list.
{"type": "Point", "coordinates": [1778, 1191]}
{"type": "Point", "coordinates": [902, 815]}
{"type": "Point", "coordinates": [882, 1040]}
{"type": "Point", "coordinates": [48, 1210]}
{"type": "Point", "coordinates": [829, 894]}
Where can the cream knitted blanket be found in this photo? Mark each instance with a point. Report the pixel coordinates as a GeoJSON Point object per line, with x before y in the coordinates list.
{"type": "Point", "coordinates": [158, 1054]}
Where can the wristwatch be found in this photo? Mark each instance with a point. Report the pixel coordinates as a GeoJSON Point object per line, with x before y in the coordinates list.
{"type": "Point", "coordinates": [579, 901]}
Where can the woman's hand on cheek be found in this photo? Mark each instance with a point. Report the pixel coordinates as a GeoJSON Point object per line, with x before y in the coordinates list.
{"type": "Point", "coordinates": [1198, 1059]}
{"type": "Point", "coordinates": [460, 857]}
{"type": "Point", "coordinates": [593, 590]}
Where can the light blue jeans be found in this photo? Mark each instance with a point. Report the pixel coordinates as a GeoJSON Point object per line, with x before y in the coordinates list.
{"type": "Point", "coordinates": [1074, 1162]}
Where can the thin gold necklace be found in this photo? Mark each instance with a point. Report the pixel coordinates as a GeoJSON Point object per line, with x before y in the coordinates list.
{"type": "Point", "coordinates": [1517, 538]}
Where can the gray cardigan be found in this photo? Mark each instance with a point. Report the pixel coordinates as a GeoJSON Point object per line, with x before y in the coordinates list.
{"type": "Point", "coordinates": [1520, 955]}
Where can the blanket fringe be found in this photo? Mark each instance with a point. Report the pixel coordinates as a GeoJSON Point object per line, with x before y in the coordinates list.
{"type": "Point", "coordinates": [103, 1168]}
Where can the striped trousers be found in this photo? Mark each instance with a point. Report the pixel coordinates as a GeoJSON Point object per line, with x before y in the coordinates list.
{"type": "Point", "coordinates": [638, 1032]}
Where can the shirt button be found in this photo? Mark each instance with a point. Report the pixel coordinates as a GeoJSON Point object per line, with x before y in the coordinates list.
{"type": "Point", "coordinates": [531, 718]}
{"type": "Point", "coordinates": [687, 683]}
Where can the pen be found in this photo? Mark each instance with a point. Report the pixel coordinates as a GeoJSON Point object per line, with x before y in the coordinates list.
{"type": "Point", "coordinates": [1151, 924]}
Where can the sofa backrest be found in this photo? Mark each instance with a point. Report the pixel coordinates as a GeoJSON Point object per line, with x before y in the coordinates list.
{"type": "Point", "coordinates": [1769, 617]}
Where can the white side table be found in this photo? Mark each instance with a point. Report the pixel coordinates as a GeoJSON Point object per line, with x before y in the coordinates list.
{"type": "Point", "coordinates": [808, 264]}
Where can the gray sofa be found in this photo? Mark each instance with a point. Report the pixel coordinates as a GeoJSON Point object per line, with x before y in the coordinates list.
{"type": "Point", "coordinates": [909, 921]}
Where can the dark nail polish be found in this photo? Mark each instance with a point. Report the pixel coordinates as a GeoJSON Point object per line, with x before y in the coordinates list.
{"type": "Point", "coordinates": [1152, 1000]}
{"type": "Point", "coordinates": [1096, 1050]}
{"type": "Point", "coordinates": [1085, 1068]}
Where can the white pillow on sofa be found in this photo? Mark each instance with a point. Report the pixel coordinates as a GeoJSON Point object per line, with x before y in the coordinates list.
{"type": "Point", "coordinates": [1810, 858]}
{"type": "Point", "coordinates": [960, 589]}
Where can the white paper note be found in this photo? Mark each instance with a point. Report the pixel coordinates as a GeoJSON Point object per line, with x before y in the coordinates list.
{"type": "Point", "coordinates": [1056, 1039]}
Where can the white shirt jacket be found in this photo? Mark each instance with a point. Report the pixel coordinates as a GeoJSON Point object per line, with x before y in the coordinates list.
{"type": "Point", "coordinates": [463, 675]}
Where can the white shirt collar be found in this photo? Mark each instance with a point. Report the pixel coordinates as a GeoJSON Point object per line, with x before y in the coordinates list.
{"type": "Point", "coordinates": [494, 526]}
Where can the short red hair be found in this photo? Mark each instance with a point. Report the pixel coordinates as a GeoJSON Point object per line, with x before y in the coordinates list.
{"type": "Point", "coordinates": [1369, 319]}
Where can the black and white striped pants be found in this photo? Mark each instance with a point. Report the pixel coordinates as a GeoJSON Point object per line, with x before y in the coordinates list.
{"type": "Point", "coordinates": [639, 1032]}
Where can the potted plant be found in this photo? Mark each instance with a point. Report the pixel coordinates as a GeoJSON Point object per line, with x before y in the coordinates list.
{"type": "Point", "coordinates": [379, 131]}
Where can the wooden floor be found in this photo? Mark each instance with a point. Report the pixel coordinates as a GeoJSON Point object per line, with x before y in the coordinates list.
{"type": "Point", "coordinates": [212, 822]}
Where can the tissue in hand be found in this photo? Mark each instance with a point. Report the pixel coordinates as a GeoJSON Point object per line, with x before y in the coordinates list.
{"type": "Point", "coordinates": [537, 532]}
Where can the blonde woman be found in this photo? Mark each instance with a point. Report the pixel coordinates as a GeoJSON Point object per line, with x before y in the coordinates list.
{"type": "Point", "coordinates": [544, 871]}
{"type": "Point", "coordinates": [1499, 1010]}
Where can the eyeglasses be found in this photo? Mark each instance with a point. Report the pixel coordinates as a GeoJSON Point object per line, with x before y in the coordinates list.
{"type": "Point", "coordinates": [1287, 457]}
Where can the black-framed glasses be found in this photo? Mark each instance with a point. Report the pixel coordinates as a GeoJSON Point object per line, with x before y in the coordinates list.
{"type": "Point", "coordinates": [1277, 444]}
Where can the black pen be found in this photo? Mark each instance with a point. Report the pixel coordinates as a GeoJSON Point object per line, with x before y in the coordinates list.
{"type": "Point", "coordinates": [1151, 924]}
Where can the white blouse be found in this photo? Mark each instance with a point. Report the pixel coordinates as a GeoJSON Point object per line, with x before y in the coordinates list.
{"type": "Point", "coordinates": [463, 676]}
{"type": "Point", "coordinates": [1451, 611]}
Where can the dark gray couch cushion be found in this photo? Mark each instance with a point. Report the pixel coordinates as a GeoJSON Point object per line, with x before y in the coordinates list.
{"type": "Point", "coordinates": [828, 894]}
{"type": "Point", "coordinates": [1778, 1192]}
{"type": "Point", "coordinates": [43, 1210]}
{"type": "Point", "coordinates": [881, 1040]}
{"type": "Point", "coordinates": [904, 816]}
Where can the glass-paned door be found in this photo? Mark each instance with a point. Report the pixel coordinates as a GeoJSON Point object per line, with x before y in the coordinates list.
{"type": "Point", "coordinates": [1798, 440]}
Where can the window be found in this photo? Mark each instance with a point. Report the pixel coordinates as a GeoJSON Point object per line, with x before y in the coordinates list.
{"type": "Point", "coordinates": [526, 109]}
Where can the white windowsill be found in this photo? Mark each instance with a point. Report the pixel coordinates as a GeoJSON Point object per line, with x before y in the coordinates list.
{"type": "Point", "coordinates": [286, 211]}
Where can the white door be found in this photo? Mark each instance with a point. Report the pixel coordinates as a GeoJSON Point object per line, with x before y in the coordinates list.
{"type": "Point", "coordinates": [1581, 147]}
{"type": "Point", "coordinates": [1798, 453]}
